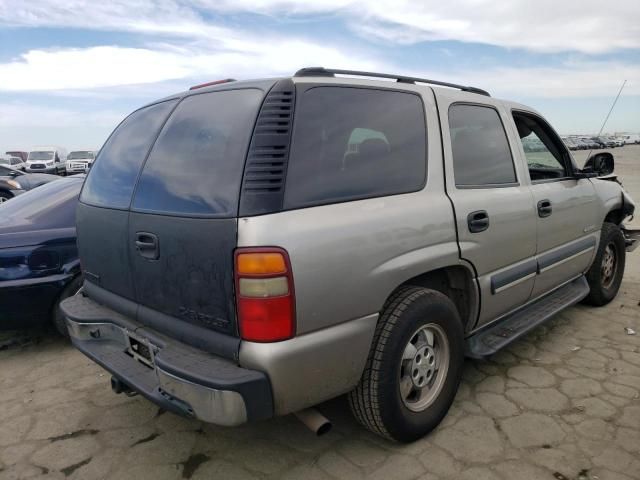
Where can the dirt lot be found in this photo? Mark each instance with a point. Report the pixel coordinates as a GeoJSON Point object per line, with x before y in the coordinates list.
{"type": "Point", "coordinates": [562, 403]}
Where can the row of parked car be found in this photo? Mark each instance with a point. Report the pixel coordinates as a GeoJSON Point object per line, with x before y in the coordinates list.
{"type": "Point", "coordinates": [49, 159]}
{"type": "Point", "coordinates": [597, 142]}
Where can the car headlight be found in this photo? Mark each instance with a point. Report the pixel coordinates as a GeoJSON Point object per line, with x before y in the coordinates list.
{"type": "Point", "coordinates": [14, 184]}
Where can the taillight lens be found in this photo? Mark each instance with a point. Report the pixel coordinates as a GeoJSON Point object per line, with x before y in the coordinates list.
{"type": "Point", "coordinates": [265, 295]}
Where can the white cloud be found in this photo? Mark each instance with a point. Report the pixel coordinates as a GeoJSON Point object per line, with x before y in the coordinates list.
{"type": "Point", "coordinates": [544, 25]}
{"type": "Point", "coordinates": [109, 66]}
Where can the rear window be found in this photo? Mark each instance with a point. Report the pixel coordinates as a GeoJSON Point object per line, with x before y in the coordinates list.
{"type": "Point", "coordinates": [195, 167]}
{"type": "Point", "coordinates": [353, 143]}
{"type": "Point", "coordinates": [112, 178]}
{"type": "Point", "coordinates": [51, 205]}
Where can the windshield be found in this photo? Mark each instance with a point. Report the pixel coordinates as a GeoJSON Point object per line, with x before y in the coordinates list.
{"type": "Point", "coordinates": [40, 155]}
{"type": "Point", "coordinates": [80, 155]}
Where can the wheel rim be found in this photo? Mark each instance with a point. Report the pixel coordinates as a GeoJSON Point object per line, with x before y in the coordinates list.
{"type": "Point", "coordinates": [609, 265]}
{"type": "Point", "coordinates": [424, 367]}
{"type": "Point", "coordinates": [3, 199]}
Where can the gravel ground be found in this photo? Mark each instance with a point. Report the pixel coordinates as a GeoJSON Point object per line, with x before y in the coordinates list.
{"type": "Point", "coordinates": [561, 403]}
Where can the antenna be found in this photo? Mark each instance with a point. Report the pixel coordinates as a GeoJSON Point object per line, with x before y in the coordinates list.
{"type": "Point", "coordinates": [608, 114]}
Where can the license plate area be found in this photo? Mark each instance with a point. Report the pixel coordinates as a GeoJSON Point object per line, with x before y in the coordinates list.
{"type": "Point", "coordinates": [141, 349]}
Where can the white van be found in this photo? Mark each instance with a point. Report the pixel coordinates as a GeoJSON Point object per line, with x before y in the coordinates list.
{"type": "Point", "coordinates": [79, 160]}
{"type": "Point", "coordinates": [47, 160]}
{"type": "Point", "coordinates": [631, 138]}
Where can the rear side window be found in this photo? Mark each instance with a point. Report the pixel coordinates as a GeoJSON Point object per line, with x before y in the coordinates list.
{"type": "Point", "coordinates": [481, 153]}
{"type": "Point", "coordinates": [353, 143]}
{"type": "Point", "coordinates": [195, 166]}
{"type": "Point", "coordinates": [112, 177]}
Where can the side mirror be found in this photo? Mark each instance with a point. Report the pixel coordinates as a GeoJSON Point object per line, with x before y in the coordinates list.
{"type": "Point", "coordinates": [600, 163]}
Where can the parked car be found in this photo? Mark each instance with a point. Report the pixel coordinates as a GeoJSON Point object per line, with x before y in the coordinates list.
{"type": "Point", "coordinates": [38, 255]}
{"type": "Point", "coordinates": [604, 142]}
{"type": "Point", "coordinates": [16, 153]}
{"type": "Point", "coordinates": [78, 161]}
{"type": "Point", "coordinates": [47, 160]}
{"type": "Point", "coordinates": [15, 163]}
{"type": "Point", "coordinates": [572, 144]}
{"type": "Point", "coordinates": [14, 182]}
{"type": "Point", "coordinates": [584, 144]}
{"type": "Point", "coordinates": [235, 273]}
{"type": "Point", "coordinates": [631, 139]}
{"type": "Point", "coordinates": [592, 144]}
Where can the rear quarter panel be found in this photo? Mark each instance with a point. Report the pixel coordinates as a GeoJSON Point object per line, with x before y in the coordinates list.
{"type": "Point", "coordinates": [348, 257]}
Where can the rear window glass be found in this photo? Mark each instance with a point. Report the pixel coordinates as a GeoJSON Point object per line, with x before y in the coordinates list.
{"type": "Point", "coordinates": [112, 177]}
{"type": "Point", "coordinates": [51, 205]}
{"type": "Point", "coordinates": [481, 153]}
{"type": "Point", "coordinates": [195, 167]}
{"type": "Point", "coordinates": [352, 143]}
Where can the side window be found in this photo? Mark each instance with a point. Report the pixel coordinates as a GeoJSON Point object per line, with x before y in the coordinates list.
{"type": "Point", "coordinates": [353, 143]}
{"type": "Point", "coordinates": [111, 180]}
{"type": "Point", "coordinates": [542, 148]}
{"type": "Point", "coordinates": [481, 153]}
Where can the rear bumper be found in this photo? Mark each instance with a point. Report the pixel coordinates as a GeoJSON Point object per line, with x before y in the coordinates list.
{"type": "Point", "coordinates": [180, 379]}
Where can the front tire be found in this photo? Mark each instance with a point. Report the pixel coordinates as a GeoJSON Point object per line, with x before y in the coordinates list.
{"type": "Point", "coordinates": [414, 367]}
{"type": "Point", "coordinates": [606, 272]}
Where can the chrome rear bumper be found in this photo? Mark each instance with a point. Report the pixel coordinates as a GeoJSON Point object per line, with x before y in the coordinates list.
{"type": "Point", "coordinates": [176, 377]}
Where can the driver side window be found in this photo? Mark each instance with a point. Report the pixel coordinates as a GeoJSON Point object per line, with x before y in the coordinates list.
{"type": "Point", "coordinates": [545, 156]}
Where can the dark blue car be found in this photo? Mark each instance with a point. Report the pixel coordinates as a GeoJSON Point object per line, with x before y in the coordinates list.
{"type": "Point", "coordinates": [39, 263]}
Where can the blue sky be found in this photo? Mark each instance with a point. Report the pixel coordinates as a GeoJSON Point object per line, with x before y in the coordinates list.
{"type": "Point", "coordinates": [71, 69]}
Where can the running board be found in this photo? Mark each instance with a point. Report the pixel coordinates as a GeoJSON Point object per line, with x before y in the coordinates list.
{"type": "Point", "coordinates": [498, 335]}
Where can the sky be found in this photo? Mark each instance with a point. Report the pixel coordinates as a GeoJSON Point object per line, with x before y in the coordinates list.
{"type": "Point", "coordinates": [70, 70]}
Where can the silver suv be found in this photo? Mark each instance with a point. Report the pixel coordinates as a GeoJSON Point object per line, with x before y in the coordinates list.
{"type": "Point", "coordinates": [254, 248]}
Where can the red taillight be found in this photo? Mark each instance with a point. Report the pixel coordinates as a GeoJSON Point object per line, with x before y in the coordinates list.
{"type": "Point", "coordinates": [265, 295]}
{"type": "Point", "coordinates": [216, 82]}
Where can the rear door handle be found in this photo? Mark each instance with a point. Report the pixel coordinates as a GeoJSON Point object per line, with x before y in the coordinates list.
{"type": "Point", "coordinates": [544, 208]}
{"type": "Point", "coordinates": [147, 245]}
{"type": "Point", "coordinates": [478, 221]}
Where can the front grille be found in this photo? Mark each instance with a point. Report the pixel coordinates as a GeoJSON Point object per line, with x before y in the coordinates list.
{"type": "Point", "coordinates": [35, 166]}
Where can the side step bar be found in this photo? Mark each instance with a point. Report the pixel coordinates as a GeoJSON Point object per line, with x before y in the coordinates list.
{"type": "Point", "coordinates": [497, 335]}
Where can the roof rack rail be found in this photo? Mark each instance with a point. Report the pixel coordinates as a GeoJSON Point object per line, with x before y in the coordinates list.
{"type": "Point", "coordinates": [331, 72]}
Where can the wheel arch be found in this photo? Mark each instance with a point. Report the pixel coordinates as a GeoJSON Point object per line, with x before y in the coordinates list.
{"type": "Point", "coordinates": [458, 283]}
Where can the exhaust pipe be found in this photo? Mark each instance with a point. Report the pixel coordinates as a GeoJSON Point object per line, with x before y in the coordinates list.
{"type": "Point", "coordinates": [314, 421]}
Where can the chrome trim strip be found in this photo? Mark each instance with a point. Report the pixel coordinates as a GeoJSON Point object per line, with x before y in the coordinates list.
{"type": "Point", "coordinates": [564, 260]}
{"type": "Point", "coordinates": [514, 283]}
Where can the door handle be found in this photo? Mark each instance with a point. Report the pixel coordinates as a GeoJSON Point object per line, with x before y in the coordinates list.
{"type": "Point", "coordinates": [478, 221]}
{"type": "Point", "coordinates": [544, 208]}
{"type": "Point", "coordinates": [147, 245]}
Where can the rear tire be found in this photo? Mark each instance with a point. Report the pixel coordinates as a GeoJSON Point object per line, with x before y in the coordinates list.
{"type": "Point", "coordinates": [606, 272]}
{"type": "Point", "coordinates": [59, 321]}
{"type": "Point", "coordinates": [414, 366]}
